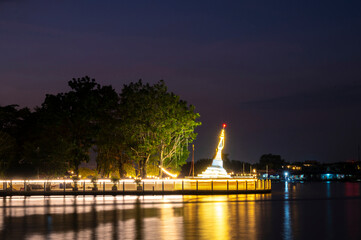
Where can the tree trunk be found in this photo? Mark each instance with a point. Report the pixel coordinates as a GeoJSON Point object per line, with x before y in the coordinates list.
{"type": "Point", "coordinates": [121, 169]}
{"type": "Point", "coordinates": [161, 163]}
{"type": "Point", "coordinates": [76, 171]}
{"type": "Point", "coordinates": [144, 167]}
{"type": "Point", "coordinates": [144, 170]}
{"type": "Point", "coordinates": [140, 169]}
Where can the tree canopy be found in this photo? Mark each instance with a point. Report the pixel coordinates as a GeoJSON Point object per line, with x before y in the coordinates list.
{"type": "Point", "coordinates": [157, 126]}
{"type": "Point", "coordinates": [273, 161]}
{"type": "Point", "coordinates": [140, 129]}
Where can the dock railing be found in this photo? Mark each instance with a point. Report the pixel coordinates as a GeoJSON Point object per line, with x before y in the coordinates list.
{"type": "Point", "coordinates": [129, 186]}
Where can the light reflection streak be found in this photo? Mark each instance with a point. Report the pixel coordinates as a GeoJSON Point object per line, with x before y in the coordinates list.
{"type": "Point", "coordinates": [170, 226]}
{"type": "Point", "coordinates": [287, 221]}
{"type": "Point", "coordinates": [328, 189]}
{"type": "Point", "coordinates": [213, 216]}
{"type": "Point", "coordinates": [250, 216]}
{"type": "Point", "coordinates": [287, 215]}
{"type": "Point", "coordinates": [286, 190]}
{"type": "Point", "coordinates": [328, 210]}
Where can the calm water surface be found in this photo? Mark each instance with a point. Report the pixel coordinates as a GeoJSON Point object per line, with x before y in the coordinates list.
{"type": "Point", "coordinates": [291, 211]}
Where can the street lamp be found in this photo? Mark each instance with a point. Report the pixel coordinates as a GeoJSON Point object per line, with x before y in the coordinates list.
{"type": "Point", "coordinates": [286, 175]}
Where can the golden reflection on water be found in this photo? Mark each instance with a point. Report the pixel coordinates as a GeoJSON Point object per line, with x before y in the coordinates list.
{"type": "Point", "coordinates": [220, 217]}
{"type": "Point", "coordinates": [173, 217]}
{"type": "Point", "coordinates": [298, 211]}
{"type": "Point", "coordinates": [151, 217]}
{"type": "Point", "coordinates": [213, 219]}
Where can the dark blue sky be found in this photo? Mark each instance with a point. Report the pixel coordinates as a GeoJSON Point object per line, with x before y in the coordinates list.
{"type": "Point", "coordinates": [284, 75]}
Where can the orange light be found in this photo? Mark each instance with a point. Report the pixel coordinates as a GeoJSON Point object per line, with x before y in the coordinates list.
{"type": "Point", "coordinates": [224, 125]}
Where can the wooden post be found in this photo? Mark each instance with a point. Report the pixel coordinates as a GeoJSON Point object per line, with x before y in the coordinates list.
{"type": "Point", "coordinates": [84, 186]}
{"type": "Point", "coordinates": [123, 187]}
{"type": "Point", "coordinates": [64, 186]}
{"type": "Point", "coordinates": [237, 185]}
{"type": "Point", "coordinates": [227, 186]}
{"type": "Point", "coordinates": [183, 185]}
{"type": "Point", "coordinates": [143, 186]}
{"type": "Point", "coordinates": [246, 185]}
{"type": "Point", "coordinates": [162, 185]}
{"type": "Point", "coordinates": [103, 186]}
{"type": "Point", "coordinates": [212, 185]}
{"type": "Point", "coordinates": [197, 185]}
{"type": "Point", "coordinates": [44, 187]}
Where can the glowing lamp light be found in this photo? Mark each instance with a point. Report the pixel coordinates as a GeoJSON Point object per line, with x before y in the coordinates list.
{"type": "Point", "coordinates": [168, 173]}
{"type": "Point", "coordinates": [224, 125]}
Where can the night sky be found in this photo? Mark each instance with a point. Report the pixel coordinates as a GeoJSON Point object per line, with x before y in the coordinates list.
{"type": "Point", "coordinates": [284, 75]}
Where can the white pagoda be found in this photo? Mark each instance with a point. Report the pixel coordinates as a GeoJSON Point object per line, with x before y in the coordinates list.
{"type": "Point", "coordinates": [216, 170]}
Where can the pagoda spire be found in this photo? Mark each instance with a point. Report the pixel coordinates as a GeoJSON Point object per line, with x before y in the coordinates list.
{"type": "Point", "coordinates": [220, 145]}
{"type": "Point", "coordinates": [217, 161]}
{"type": "Point", "coordinates": [217, 170]}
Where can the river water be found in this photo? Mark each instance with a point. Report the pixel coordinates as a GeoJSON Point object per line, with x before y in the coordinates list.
{"type": "Point", "coordinates": [327, 210]}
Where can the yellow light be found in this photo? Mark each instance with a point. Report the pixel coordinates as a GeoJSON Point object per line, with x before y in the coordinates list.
{"type": "Point", "coordinates": [168, 173]}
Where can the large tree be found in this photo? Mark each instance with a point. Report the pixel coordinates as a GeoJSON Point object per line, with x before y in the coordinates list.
{"type": "Point", "coordinates": [78, 115]}
{"type": "Point", "coordinates": [110, 146]}
{"type": "Point", "coordinates": [12, 136]}
{"type": "Point", "coordinates": [46, 147]}
{"type": "Point", "coordinates": [7, 151]}
{"type": "Point", "coordinates": [156, 123]}
{"type": "Point", "coordinates": [178, 122]}
{"type": "Point", "coordinates": [138, 124]}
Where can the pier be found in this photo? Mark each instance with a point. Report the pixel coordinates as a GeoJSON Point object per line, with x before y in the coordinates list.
{"type": "Point", "coordinates": [130, 187]}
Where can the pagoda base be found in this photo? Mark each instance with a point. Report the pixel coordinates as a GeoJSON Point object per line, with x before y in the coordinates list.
{"type": "Point", "coordinates": [214, 172]}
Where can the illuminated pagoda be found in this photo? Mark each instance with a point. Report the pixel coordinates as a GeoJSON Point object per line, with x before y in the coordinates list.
{"type": "Point", "coordinates": [216, 170]}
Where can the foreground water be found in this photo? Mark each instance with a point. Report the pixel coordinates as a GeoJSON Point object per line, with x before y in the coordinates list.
{"type": "Point", "coordinates": [291, 211]}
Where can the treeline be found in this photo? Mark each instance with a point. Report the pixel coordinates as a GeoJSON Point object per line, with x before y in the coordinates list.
{"type": "Point", "coordinates": [131, 133]}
